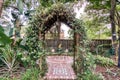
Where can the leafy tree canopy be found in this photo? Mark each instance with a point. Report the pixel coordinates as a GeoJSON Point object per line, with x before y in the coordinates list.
{"type": "Point", "coordinates": [47, 3]}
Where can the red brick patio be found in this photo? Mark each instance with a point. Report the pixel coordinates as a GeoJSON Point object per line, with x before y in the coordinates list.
{"type": "Point", "coordinates": [60, 68]}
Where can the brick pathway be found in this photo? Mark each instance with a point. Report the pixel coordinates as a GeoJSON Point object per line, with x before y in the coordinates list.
{"type": "Point", "coordinates": [60, 68]}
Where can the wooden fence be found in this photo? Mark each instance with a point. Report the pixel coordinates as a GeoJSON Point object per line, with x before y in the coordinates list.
{"type": "Point", "coordinates": [68, 44]}
{"type": "Point", "coordinates": [105, 42]}
{"type": "Point", "coordinates": [62, 43]}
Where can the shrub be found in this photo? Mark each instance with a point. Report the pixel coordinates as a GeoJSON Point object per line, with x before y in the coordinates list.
{"type": "Point", "coordinates": [23, 59]}
{"type": "Point", "coordinates": [89, 67]}
{"type": "Point", "coordinates": [31, 74]}
{"type": "Point", "coordinates": [104, 61]}
{"type": "Point", "coordinates": [8, 56]}
{"type": "Point", "coordinates": [92, 76]}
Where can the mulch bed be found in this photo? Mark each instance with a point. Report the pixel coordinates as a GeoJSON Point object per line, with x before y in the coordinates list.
{"type": "Point", "coordinates": [109, 73]}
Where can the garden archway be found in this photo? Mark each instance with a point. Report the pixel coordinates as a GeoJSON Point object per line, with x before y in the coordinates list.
{"type": "Point", "coordinates": [46, 17]}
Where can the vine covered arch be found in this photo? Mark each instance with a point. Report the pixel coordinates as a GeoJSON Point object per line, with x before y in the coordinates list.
{"type": "Point", "coordinates": [45, 18]}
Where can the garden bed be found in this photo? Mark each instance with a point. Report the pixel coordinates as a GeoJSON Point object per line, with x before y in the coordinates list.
{"type": "Point", "coordinates": [109, 73]}
{"type": "Point", "coordinates": [15, 74]}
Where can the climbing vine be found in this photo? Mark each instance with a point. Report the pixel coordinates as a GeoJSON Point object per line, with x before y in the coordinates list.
{"type": "Point", "coordinates": [42, 22]}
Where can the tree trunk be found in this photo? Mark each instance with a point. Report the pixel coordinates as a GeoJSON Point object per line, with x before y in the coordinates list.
{"type": "Point", "coordinates": [118, 23]}
{"type": "Point", "coordinates": [75, 41]}
{"type": "Point", "coordinates": [112, 19]}
{"type": "Point", "coordinates": [119, 47]}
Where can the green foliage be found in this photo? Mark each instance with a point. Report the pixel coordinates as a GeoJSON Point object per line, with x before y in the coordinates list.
{"type": "Point", "coordinates": [8, 56]}
{"type": "Point", "coordinates": [80, 29]}
{"type": "Point", "coordinates": [100, 4]}
{"type": "Point", "coordinates": [105, 50]}
{"type": "Point", "coordinates": [104, 61]}
{"type": "Point", "coordinates": [48, 3]}
{"type": "Point", "coordinates": [23, 59]}
{"type": "Point", "coordinates": [34, 50]}
{"type": "Point", "coordinates": [85, 63]}
{"type": "Point", "coordinates": [31, 74]}
{"type": "Point", "coordinates": [43, 20]}
{"type": "Point", "coordinates": [3, 38]}
{"type": "Point", "coordinates": [87, 66]}
{"type": "Point", "coordinates": [20, 5]}
{"type": "Point", "coordinates": [7, 2]}
{"type": "Point", "coordinates": [92, 76]}
{"type": "Point", "coordinates": [3, 78]}
{"type": "Point", "coordinates": [98, 9]}
{"type": "Point", "coordinates": [118, 7]}
{"type": "Point", "coordinates": [42, 64]}
{"type": "Point", "coordinates": [96, 25]}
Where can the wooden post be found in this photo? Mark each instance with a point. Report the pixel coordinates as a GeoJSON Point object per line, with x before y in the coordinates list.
{"type": "Point", "coordinates": [76, 46]}
{"type": "Point", "coordinates": [113, 26]}
{"type": "Point", "coordinates": [59, 32]}
{"type": "Point", "coordinates": [44, 40]}
{"type": "Point", "coordinates": [58, 25]}
{"type": "Point", "coordinates": [119, 48]}
{"type": "Point", "coordinates": [74, 50]}
{"type": "Point", "coordinates": [118, 19]}
{"type": "Point", "coordinates": [1, 3]}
